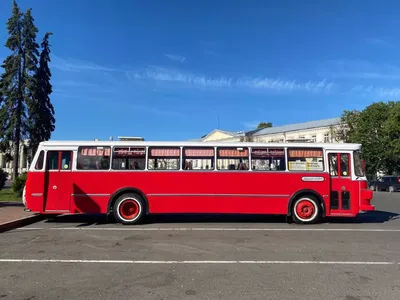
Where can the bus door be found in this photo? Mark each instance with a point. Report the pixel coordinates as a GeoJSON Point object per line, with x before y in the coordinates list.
{"type": "Point", "coordinates": [58, 179]}
{"type": "Point", "coordinates": [340, 178]}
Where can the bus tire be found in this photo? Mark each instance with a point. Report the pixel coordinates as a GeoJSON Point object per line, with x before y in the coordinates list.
{"type": "Point", "coordinates": [129, 209]}
{"type": "Point", "coordinates": [306, 210]}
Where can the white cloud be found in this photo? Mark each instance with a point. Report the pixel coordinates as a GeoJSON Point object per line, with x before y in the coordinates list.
{"type": "Point", "coordinates": [161, 74]}
{"type": "Point", "coordinates": [176, 57]}
{"type": "Point", "coordinates": [155, 73]}
{"type": "Point", "coordinates": [73, 65]}
{"type": "Point", "coordinates": [287, 85]}
{"type": "Point", "coordinates": [359, 69]}
{"type": "Point", "coordinates": [383, 92]}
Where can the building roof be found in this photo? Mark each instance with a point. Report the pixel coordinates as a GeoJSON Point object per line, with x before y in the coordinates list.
{"type": "Point", "coordinates": [298, 126]}
{"type": "Point", "coordinates": [231, 133]}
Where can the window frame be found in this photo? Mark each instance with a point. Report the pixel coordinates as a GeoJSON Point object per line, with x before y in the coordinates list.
{"type": "Point", "coordinates": [234, 157]}
{"type": "Point", "coordinates": [266, 147]}
{"type": "Point", "coordinates": [213, 158]}
{"type": "Point", "coordinates": [90, 147]}
{"type": "Point", "coordinates": [306, 149]}
{"type": "Point", "coordinates": [128, 170]}
{"type": "Point", "coordinates": [43, 161]}
{"type": "Point", "coordinates": [179, 158]}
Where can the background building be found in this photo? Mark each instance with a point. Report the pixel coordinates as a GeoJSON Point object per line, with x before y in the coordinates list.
{"type": "Point", "coordinates": [6, 164]}
{"type": "Point", "coordinates": [321, 131]}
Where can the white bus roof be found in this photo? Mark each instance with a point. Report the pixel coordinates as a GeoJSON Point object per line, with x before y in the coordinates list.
{"type": "Point", "coordinates": [336, 146]}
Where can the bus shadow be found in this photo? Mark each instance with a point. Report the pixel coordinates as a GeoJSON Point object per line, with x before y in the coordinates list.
{"type": "Point", "coordinates": [83, 220]}
{"type": "Point", "coordinates": [214, 218]}
{"type": "Point", "coordinates": [377, 216]}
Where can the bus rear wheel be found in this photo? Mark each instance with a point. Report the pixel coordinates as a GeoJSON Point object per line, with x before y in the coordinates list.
{"type": "Point", "coordinates": [306, 210]}
{"type": "Point", "coordinates": [129, 209]}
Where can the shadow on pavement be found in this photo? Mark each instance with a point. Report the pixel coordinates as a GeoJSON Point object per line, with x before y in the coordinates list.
{"type": "Point", "coordinates": [15, 204]}
{"type": "Point", "coordinates": [83, 220]}
{"type": "Point", "coordinates": [377, 216]}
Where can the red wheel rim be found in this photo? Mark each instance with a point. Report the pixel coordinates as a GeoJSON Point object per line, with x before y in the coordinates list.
{"type": "Point", "coordinates": [305, 209]}
{"type": "Point", "coordinates": [129, 209]}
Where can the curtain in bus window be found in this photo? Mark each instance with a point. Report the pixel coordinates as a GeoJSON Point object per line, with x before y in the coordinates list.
{"type": "Point", "coordinates": [165, 152]}
{"type": "Point", "coordinates": [199, 152]}
{"type": "Point", "coordinates": [233, 153]}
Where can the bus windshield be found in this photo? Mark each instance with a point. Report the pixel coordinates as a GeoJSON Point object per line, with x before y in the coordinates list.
{"type": "Point", "coordinates": [358, 168]}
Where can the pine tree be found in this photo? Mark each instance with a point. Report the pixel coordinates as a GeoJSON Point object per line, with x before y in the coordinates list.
{"type": "Point", "coordinates": [11, 86]}
{"type": "Point", "coordinates": [17, 83]}
{"type": "Point", "coordinates": [41, 110]}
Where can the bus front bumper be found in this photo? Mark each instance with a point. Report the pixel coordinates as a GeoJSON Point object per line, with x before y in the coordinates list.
{"type": "Point", "coordinates": [366, 197]}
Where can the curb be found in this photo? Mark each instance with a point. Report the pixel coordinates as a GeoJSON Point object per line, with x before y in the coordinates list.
{"type": "Point", "coordinates": [20, 222]}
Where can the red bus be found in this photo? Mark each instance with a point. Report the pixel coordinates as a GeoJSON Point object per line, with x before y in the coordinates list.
{"type": "Point", "coordinates": [129, 180]}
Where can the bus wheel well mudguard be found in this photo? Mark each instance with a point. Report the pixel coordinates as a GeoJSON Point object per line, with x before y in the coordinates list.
{"type": "Point", "coordinates": [304, 193]}
{"type": "Point", "coordinates": [127, 190]}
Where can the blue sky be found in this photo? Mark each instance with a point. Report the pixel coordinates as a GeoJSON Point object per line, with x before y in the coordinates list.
{"type": "Point", "coordinates": [168, 70]}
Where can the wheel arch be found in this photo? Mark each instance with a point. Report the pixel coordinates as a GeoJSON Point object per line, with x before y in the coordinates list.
{"type": "Point", "coordinates": [126, 190]}
{"type": "Point", "coordinates": [305, 192]}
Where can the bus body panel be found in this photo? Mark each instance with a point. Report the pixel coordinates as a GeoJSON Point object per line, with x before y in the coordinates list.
{"type": "Point", "coordinates": [184, 192]}
{"type": "Point", "coordinates": [188, 191]}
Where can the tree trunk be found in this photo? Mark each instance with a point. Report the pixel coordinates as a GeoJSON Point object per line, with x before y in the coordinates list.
{"type": "Point", "coordinates": [17, 139]}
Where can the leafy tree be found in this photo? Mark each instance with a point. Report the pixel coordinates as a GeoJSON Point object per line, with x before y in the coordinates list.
{"type": "Point", "coordinates": [264, 125]}
{"type": "Point", "coordinates": [41, 110]}
{"type": "Point", "coordinates": [377, 129]}
{"type": "Point", "coordinates": [3, 179]}
{"type": "Point", "coordinates": [19, 184]}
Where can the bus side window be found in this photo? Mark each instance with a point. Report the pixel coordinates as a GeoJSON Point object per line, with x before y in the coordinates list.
{"type": "Point", "coordinates": [233, 158]}
{"type": "Point", "coordinates": [40, 161]}
{"type": "Point", "coordinates": [52, 160]}
{"type": "Point", "coordinates": [66, 160]}
{"type": "Point", "coordinates": [344, 164]}
{"type": "Point", "coordinates": [333, 165]}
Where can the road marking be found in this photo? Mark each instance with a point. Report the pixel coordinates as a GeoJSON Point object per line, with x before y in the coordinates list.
{"type": "Point", "coordinates": [84, 261]}
{"type": "Point", "coordinates": [208, 229]}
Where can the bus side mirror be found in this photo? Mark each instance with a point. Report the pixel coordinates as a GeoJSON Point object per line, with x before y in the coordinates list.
{"type": "Point", "coordinates": [363, 166]}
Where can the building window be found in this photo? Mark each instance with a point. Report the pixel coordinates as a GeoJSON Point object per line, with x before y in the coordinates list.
{"type": "Point", "coordinates": [93, 158]}
{"type": "Point", "coordinates": [164, 158]}
{"type": "Point", "coordinates": [314, 138]}
{"type": "Point", "coordinates": [326, 138]}
{"type": "Point", "coordinates": [233, 158]}
{"type": "Point", "coordinates": [129, 158]}
{"type": "Point", "coordinates": [268, 159]}
{"type": "Point", "coordinates": [198, 158]}
{"type": "Point", "coordinates": [305, 159]}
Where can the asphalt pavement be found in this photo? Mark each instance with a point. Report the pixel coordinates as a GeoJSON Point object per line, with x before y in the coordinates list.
{"type": "Point", "coordinates": [205, 257]}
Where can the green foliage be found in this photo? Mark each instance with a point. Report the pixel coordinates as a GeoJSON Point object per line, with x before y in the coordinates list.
{"type": "Point", "coordinates": [41, 110]}
{"type": "Point", "coordinates": [3, 178]}
{"type": "Point", "coordinates": [377, 128]}
{"type": "Point", "coordinates": [19, 184]}
{"type": "Point", "coordinates": [25, 107]}
{"type": "Point", "coordinates": [264, 125]}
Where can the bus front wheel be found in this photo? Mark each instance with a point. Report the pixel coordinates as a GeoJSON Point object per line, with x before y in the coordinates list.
{"type": "Point", "coordinates": [129, 209]}
{"type": "Point", "coordinates": [306, 210]}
